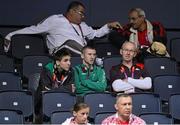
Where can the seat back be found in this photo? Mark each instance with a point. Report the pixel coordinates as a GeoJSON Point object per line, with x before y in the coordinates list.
{"type": "Point", "coordinates": [56, 101]}
{"type": "Point", "coordinates": [60, 117]}
{"type": "Point", "coordinates": [23, 45]}
{"type": "Point", "coordinates": [109, 62]}
{"type": "Point", "coordinates": [101, 116]}
{"type": "Point", "coordinates": [174, 108]}
{"type": "Point", "coordinates": [157, 118]}
{"type": "Point", "coordinates": [33, 82]}
{"type": "Point", "coordinates": [160, 66]}
{"type": "Point", "coordinates": [34, 64]}
{"type": "Point", "coordinates": [145, 103]}
{"type": "Point", "coordinates": [166, 85]}
{"type": "Point", "coordinates": [99, 102]}
{"type": "Point", "coordinates": [174, 48]}
{"type": "Point", "coordinates": [76, 61]}
{"type": "Point", "coordinates": [6, 64]}
{"type": "Point", "coordinates": [17, 100]}
{"type": "Point", "coordinates": [11, 117]}
{"type": "Point", "coordinates": [10, 81]}
{"type": "Point", "coordinates": [105, 48]}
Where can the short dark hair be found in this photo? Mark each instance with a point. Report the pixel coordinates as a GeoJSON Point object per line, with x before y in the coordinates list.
{"type": "Point", "coordinates": [61, 53]}
{"type": "Point", "coordinates": [78, 106]}
{"type": "Point", "coordinates": [87, 47]}
{"type": "Point", "coordinates": [74, 4]}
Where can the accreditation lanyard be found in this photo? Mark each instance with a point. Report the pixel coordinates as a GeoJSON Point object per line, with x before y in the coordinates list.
{"type": "Point", "coordinates": [122, 70]}
{"type": "Point", "coordinates": [78, 33]}
{"type": "Point", "coordinates": [84, 42]}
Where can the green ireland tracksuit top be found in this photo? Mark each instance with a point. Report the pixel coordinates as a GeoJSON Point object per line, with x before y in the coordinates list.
{"type": "Point", "coordinates": [87, 80]}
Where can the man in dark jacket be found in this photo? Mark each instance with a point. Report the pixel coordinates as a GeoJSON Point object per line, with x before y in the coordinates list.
{"type": "Point", "coordinates": [56, 75]}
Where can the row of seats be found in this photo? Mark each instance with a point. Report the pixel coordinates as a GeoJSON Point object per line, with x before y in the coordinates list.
{"type": "Point", "coordinates": [150, 118]}
{"type": "Point", "coordinates": [23, 45]}
{"type": "Point", "coordinates": [33, 64]}
{"type": "Point", "coordinates": [54, 101]}
{"type": "Point", "coordinates": [164, 85]}
{"type": "Point", "coordinates": [162, 70]}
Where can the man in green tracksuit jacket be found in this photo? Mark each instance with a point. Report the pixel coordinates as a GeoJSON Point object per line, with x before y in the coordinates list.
{"type": "Point", "coordinates": [88, 76]}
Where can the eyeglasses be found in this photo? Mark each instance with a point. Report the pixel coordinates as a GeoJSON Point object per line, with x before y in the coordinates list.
{"type": "Point", "coordinates": [133, 18]}
{"type": "Point", "coordinates": [127, 50]}
{"type": "Point", "coordinates": [82, 14]}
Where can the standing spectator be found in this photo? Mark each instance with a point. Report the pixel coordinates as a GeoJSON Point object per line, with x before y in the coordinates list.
{"type": "Point", "coordinates": [65, 30]}
{"type": "Point", "coordinates": [142, 32]}
{"type": "Point", "coordinates": [124, 114]}
{"type": "Point", "coordinates": [80, 115]}
{"type": "Point", "coordinates": [88, 76]}
{"type": "Point", "coordinates": [128, 76]}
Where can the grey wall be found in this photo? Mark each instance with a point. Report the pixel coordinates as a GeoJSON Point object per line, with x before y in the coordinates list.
{"type": "Point", "coordinates": [28, 12]}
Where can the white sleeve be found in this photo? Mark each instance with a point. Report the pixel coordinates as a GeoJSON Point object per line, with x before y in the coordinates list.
{"type": "Point", "coordinates": [119, 85]}
{"type": "Point", "coordinates": [145, 83]}
{"type": "Point", "coordinates": [90, 33]}
{"type": "Point", "coordinates": [42, 27]}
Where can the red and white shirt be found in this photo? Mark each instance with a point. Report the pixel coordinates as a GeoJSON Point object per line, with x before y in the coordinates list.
{"type": "Point", "coordinates": [114, 120]}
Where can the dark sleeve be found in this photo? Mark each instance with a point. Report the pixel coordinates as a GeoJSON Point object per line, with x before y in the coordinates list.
{"type": "Point", "coordinates": [112, 74]}
{"type": "Point", "coordinates": [69, 81]}
{"type": "Point", "coordinates": [145, 73]}
{"type": "Point", "coordinates": [45, 80]}
{"type": "Point", "coordinates": [159, 33]}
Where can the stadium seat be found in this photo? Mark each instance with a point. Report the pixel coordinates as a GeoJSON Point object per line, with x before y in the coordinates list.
{"type": "Point", "coordinates": [56, 101]}
{"type": "Point", "coordinates": [109, 62]}
{"type": "Point", "coordinates": [174, 49]}
{"type": "Point", "coordinates": [18, 100]}
{"type": "Point", "coordinates": [145, 103]}
{"type": "Point", "coordinates": [157, 118]}
{"type": "Point", "coordinates": [166, 85]}
{"type": "Point", "coordinates": [160, 66]}
{"type": "Point", "coordinates": [59, 117]}
{"type": "Point", "coordinates": [101, 116]}
{"type": "Point", "coordinates": [9, 81]}
{"type": "Point", "coordinates": [76, 61]}
{"type": "Point", "coordinates": [34, 64]}
{"type": "Point", "coordinates": [33, 82]}
{"type": "Point", "coordinates": [105, 48]}
{"type": "Point", "coordinates": [99, 102]}
{"type": "Point", "coordinates": [6, 64]}
{"type": "Point", "coordinates": [11, 116]}
{"type": "Point", "coordinates": [23, 45]}
{"type": "Point", "coordinates": [174, 106]}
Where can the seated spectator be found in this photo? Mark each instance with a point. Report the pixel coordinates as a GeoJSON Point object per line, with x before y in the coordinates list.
{"type": "Point", "coordinates": [128, 76]}
{"type": "Point", "coordinates": [80, 115]}
{"type": "Point", "coordinates": [65, 30]}
{"type": "Point", "coordinates": [124, 114]}
{"type": "Point", "coordinates": [142, 32]}
{"type": "Point", "coordinates": [56, 75]}
{"type": "Point", "coordinates": [88, 76]}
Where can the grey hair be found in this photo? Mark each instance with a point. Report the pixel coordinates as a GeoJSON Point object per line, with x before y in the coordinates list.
{"type": "Point", "coordinates": [139, 11]}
